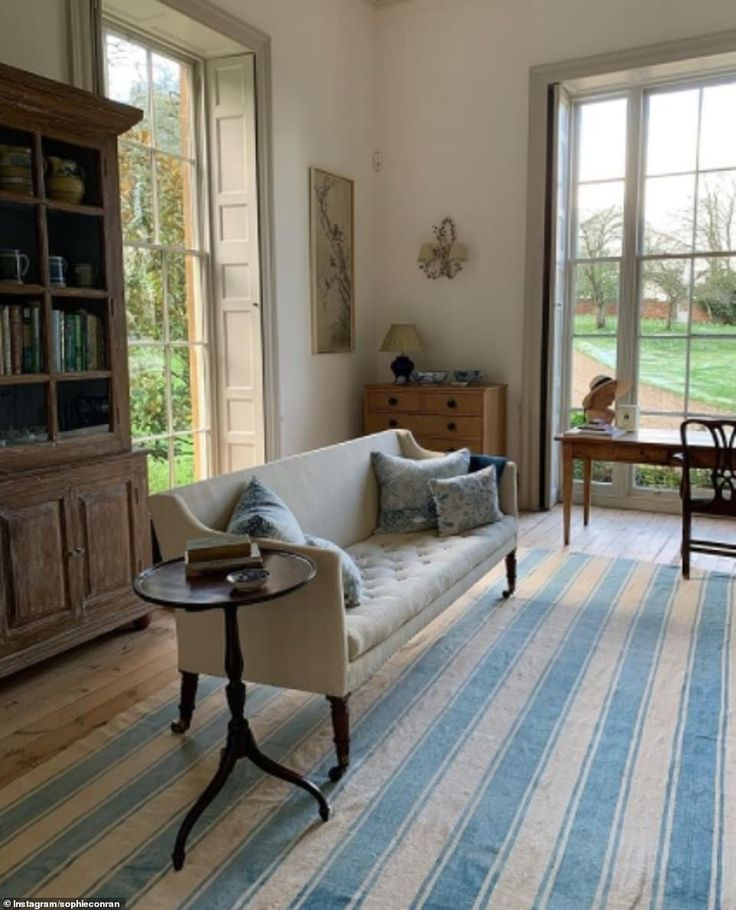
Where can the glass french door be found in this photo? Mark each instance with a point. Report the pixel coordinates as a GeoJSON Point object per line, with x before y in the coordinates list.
{"type": "Point", "coordinates": [651, 269]}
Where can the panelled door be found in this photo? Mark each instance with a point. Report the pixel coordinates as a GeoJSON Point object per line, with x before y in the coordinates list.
{"type": "Point", "coordinates": [236, 279]}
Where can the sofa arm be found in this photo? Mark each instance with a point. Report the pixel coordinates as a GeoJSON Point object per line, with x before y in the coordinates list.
{"type": "Point", "coordinates": [295, 642]}
{"type": "Point", "coordinates": [507, 499]}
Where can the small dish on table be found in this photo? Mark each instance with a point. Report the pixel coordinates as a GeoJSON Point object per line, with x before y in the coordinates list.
{"type": "Point", "coordinates": [429, 377]}
{"type": "Point", "coordinates": [245, 580]}
{"type": "Point", "coordinates": [468, 377]}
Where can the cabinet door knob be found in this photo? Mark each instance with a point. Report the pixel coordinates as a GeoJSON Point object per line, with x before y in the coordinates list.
{"type": "Point", "coordinates": [451, 403]}
{"type": "Point", "coordinates": [393, 423]}
{"type": "Point", "coordinates": [451, 426]}
{"type": "Point", "coordinates": [77, 551]}
{"type": "Point", "coordinates": [393, 402]}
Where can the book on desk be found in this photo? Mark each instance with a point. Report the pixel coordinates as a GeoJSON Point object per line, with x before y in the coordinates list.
{"type": "Point", "coordinates": [596, 428]}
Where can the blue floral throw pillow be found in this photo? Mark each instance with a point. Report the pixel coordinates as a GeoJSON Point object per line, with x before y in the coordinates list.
{"type": "Point", "coordinates": [261, 513]}
{"type": "Point", "coordinates": [405, 495]}
{"type": "Point", "coordinates": [466, 502]}
{"type": "Point", "coordinates": [352, 580]}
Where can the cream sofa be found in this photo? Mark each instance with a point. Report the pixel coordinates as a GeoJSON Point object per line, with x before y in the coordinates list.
{"type": "Point", "coordinates": [308, 640]}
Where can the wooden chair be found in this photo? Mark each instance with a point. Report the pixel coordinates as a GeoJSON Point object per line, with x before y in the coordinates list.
{"type": "Point", "coordinates": [721, 501]}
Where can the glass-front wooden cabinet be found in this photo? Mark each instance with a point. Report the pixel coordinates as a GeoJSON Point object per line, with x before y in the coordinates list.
{"type": "Point", "coordinates": [63, 374]}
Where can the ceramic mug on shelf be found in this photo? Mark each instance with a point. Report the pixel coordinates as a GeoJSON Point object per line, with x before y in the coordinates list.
{"type": "Point", "coordinates": [84, 275]}
{"type": "Point", "coordinates": [57, 271]}
{"type": "Point", "coordinates": [13, 266]}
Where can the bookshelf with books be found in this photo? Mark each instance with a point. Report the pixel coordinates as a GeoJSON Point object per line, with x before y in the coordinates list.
{"type": "Point", "coordinates": [74, 528]}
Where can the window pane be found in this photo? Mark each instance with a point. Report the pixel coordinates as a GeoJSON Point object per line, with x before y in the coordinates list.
{"type": "Point", "coordinates": [174, 201]}
{"type": "Point", "coordinates": [184, 460]}
{"type": "Point", "coordinates": [127, 81]}
{"type": "Point", "coordinates": [591, 357]}
{"type": "Point", "coordinates": [158, 464]}
{"type": "Point", "coordinates": [596, 297]}
{"type": "Point", "coordinates": [716, 230]}
{"type": "Point", "coordinates": [718, 127]}
{"type": "Point", "coordinates": [665, 297]}
{"type": "Point", "coordinates": [600, 219]}
{"type": "Point", "coordinates": [712, 376]}
{"type": "Point", "coordinates": [147, 391]}
{"type": "Point", "coordinates": [714, 295]}
{"type": "Point", "coordinates": [660, 421]}
{"type": "Point", "coordinates": [181, 390]}
{"type": "Point", "coordinates": [136, 194]}
{"type": "Point", "coordinates": [672, 132]}
{"type": "Point", "coordinates": [662, 363]}
{"type": "Point", "coordinates": [602, 140]}
{"type": "Point", "coordinates": [668, 214]}
{"type": "Point", "coordinates": [656, 477]}
{"type": "Point", "coordinates": [170, 105]}
{"type": "Point", "coordinates": [143, 294]}
{"type": "Point", "coordinates": [183, 297]}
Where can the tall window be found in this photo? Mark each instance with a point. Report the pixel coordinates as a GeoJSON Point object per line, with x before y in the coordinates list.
{"type": "Point", "coordinates": [164, 260]}
{"type": "Point", "coordinates": [652, 266]}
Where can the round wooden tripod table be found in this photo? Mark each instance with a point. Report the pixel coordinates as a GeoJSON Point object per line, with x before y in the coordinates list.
{"type": "Point", "coordinates": [166, 585]}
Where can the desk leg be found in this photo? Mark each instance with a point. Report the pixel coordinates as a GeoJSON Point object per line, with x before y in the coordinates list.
{"type": "Point", "coordinates": [587, 474]}
{"type": "Point", "coordinates": [566, 492]}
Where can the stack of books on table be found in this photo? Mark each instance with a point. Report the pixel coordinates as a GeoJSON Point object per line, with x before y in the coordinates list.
{"type": "Point", "coordinates": [211, 555]}
{"type": "Point", "coordinates": [596, 427]}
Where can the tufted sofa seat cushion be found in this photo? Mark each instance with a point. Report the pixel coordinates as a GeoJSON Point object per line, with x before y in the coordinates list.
{"type": "Point", "coordinates": [403, 573]}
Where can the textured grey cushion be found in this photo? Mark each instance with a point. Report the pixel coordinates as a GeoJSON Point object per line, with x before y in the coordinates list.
{"type": "Point", "coordinates": [466, 502]}
{"type": "Point", "coordinates": [406, 499]}
{"type": "Point", "coordinates": [352, 580]}
{"type": "Point", "coordinates": [261, 513]}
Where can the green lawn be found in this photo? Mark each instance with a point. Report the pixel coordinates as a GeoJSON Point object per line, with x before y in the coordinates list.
{"type": "Point", "coordinates": [662, 360]}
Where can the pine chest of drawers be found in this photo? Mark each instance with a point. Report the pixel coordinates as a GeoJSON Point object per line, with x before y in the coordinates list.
{"type": "Point", "coordinates": [441, 417]}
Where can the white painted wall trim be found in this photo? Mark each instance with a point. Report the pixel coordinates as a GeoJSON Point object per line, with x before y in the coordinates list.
{"type": "Point", "coordinates": [85, 44]}
{"type": "Point", "coordinates": [540, 80]}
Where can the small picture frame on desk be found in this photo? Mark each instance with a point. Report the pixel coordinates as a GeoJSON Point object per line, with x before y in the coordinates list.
{"type": "Point", "coordinates": [627, 417]}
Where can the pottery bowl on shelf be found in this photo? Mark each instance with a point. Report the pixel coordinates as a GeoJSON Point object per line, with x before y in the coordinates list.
{"type": "Point", "coordinates": [427, 377]}
{"type": "Point", "coordinates": [469, 376]}
{"type": "Point", "coordinates": [248, 579]}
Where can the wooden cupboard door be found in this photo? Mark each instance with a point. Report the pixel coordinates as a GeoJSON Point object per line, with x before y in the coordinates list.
{"type": "Point", "coordinates": [35, 582]}
{"type": "Point", "coordinates": [106, 521]}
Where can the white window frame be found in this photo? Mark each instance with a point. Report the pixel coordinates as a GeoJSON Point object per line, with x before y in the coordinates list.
{"type": "Point", "coordinates": [623, 491]}
{"type": "Point", "coordinates": [201, 228]}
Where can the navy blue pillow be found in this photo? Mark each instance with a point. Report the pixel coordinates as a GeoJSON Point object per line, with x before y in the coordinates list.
{"type": "Point", "coordinates": [478, 462]}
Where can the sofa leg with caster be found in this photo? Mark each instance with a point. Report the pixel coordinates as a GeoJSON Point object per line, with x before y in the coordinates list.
{"type": "Point", "coordinates": [186, 705]}
{"type": "Point", "coordinates": [510, 574]}
{"type": "Point", "coordinates": [341, 728]}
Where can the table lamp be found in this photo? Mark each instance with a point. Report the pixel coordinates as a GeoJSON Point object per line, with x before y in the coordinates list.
{"type": "Point", "coordinates": [402, 337]}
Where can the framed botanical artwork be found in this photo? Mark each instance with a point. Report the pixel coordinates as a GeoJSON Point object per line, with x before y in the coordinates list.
{"type": "Point", "coordinates": [332, 266]}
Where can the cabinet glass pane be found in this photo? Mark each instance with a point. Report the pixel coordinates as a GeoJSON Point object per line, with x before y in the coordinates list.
{"type": "Point", "coordinates": [23, 414]}
{"type": "Point", "coordinates": [19, 262]}
{"type": "Point", "coordinates": [84, 407]}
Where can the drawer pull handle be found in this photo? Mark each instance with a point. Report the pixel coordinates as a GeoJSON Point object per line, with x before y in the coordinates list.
{"type": "Point", "coordinates": [393, 423]}
{"type": "Point", "coordinates": [452, 427]}
{"type": "Point", "coordinates": [393, 402]}
{"type": "Point", "coordinates": [451, 403]}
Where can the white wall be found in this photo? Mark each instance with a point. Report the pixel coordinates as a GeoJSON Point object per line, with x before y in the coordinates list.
{"type": "Point", "coordinates": [33, 36]}
{"type": "Point", "coordinates": [323, 65]}
{"type": "Point", "coordinates": [453, 83]}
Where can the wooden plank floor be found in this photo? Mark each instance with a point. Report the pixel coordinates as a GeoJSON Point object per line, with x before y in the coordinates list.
{"type": "Point", "coordinates": [47, 707]}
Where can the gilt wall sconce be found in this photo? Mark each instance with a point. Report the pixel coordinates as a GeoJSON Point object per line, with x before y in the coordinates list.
{"type": "Point", "coordinates": [445, 256]}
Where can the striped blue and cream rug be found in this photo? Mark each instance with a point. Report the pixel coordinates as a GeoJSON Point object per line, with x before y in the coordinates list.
{"type": "Point", "coordinates": [572, 748]}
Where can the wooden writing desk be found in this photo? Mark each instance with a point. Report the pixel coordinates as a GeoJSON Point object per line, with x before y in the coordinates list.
{"type": "Point", "coordinates": [658, 447]}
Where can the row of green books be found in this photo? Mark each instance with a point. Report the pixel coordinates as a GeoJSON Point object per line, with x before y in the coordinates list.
{"type": "Point", "coordinates": [21, 348]}
{"type": "Point", "coordinates": [78, 341]}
